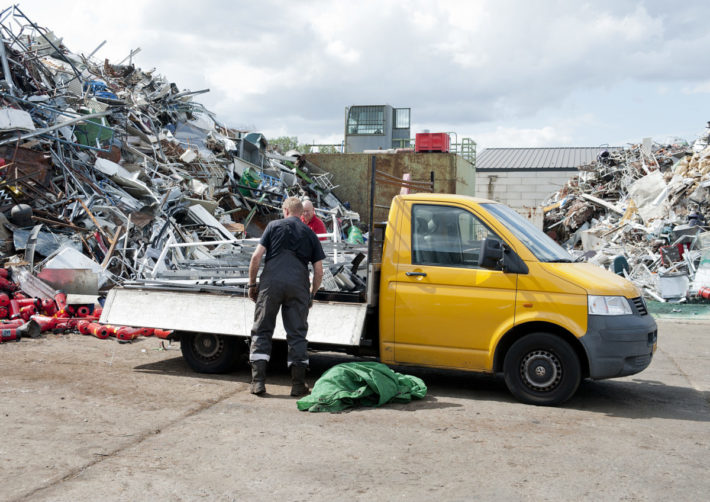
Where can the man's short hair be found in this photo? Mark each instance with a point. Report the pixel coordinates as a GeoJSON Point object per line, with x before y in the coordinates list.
{"type": "Point", "coordinates": [294, 206]}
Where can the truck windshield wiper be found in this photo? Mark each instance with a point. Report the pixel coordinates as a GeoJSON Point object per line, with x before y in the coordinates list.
{"type": "Point", "coordinates": [560, 260]}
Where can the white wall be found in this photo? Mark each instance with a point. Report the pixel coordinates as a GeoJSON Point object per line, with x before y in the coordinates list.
{"type": "Point", "coordinates": [524, 191]}
{"type": "Point", "coordinates": [520, 188]}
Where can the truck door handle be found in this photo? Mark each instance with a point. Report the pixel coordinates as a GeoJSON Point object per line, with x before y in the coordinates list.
{"type": "Point", "coordinates": [415, 274]}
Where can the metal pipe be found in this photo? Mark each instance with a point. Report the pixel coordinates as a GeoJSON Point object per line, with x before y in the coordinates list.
{"type": "Point", "coordinates": [6, 69]}
{"type": "Point", "coordinates": [130, 56]}
{"type": "Point", "coordinates": [96, 50]}
{"type": "Point", "coordinates": [371, 226]}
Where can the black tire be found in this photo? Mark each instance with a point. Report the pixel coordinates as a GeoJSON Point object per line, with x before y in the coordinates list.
{"type": "Point", "coordinates": [542, 369]}
{"type": "Point", "coordinates": [210, 353]}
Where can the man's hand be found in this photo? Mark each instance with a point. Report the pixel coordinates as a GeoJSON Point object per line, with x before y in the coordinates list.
{"type": "Point", "coordinates": [253, 293]}
{"type": "Point", "coordinates": [253, 269]}
{"type": "Point", "coordinates": [310, 301]}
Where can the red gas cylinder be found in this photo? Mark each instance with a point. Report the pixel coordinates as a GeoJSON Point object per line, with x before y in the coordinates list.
{"type": "Point", "coordinates": [24, 302]}
{"type": "Point", "coordinates": [71, 322]}
{"type": "Point", "coordinates": [43, 323]}
{"type": "Point", "coordinates": [4, 312]}
{"type": "Point", "coordinates": [83, 327]}
{"type": "Point", "coordinates": [7, 285]}
{"type": "Point", "coordinates": [60, 328]}
{"type": "Point", "coordinates": [48, 306]}
{"type": "Point", "coordinates": [162, 333]}
{"type": "Point", "coordinates": [9, 334]}
{"type": "Point", "coordinates": [126, 333]}
{"type": "Point", "coordinates": [147, 331]}
{"type": "Point", "coordinates": [99, 330]}
{"type": "Point", "coordinates": [27, 312]}
{"type": "Point", "coordinates": [704, 293]}
{"type": "Point", "coordinates": [61, 299]}
{"type": "Point", "coordinates": [15, 323]}
{"type": "Point", "coordinates": [4, 273]}
{"type": "Point", "coordinates": [4, 299]}
{"type": "Point", "coordinates": [83, 311]}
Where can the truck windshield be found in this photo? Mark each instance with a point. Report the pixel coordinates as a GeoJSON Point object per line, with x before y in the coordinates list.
{"type": "Point", "coordinates": [539, 244]}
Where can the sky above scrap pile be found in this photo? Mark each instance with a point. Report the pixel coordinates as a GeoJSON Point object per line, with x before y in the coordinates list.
{"type": "Point", "coordinates": [504, 73]}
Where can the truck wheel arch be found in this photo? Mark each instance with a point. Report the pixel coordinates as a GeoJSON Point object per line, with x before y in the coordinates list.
{"type": "Point", "coordinates": [516, 333]}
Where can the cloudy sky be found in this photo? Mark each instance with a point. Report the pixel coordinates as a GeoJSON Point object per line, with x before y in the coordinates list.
{"type": "Point", "coordinates": [505, 73]}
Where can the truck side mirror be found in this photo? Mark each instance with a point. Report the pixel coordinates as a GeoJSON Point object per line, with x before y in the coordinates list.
{"type": "Point", "coordinates": [491, 254]}
{"type": "Point", "coordinates": [496, 255]}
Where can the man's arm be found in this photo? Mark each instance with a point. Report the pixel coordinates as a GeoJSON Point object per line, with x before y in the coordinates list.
{"type": "Point", "coordinates": [317, 276]}
{"type": "Point", "coordinates": [254, 268]}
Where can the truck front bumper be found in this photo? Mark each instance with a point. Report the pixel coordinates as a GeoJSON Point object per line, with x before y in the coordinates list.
{"type": "Point", "coordinates": [619, 345]}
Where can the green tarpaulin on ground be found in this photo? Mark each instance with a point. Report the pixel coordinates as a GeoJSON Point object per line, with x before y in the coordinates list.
{"type": "Point", "coordinates": [361, 384]}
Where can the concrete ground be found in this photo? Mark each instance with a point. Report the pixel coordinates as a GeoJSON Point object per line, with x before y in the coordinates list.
{"type": "Point", "coordinates": [84, 419]}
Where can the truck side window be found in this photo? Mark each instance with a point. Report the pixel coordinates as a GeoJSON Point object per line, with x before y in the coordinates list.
{"type": "Point", "coordinates": [446, 236]}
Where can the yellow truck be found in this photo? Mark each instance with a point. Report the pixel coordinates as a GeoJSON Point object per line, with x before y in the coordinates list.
{"type": "Point", "coordinates": [462, 283]}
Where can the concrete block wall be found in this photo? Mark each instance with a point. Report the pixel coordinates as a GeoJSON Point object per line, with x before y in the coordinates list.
{"type": "Point", "coordinates": [520, 189]}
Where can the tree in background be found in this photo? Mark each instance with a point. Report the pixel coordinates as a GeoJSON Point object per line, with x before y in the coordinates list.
{"type": "Point", "coordinates": [285, 143]}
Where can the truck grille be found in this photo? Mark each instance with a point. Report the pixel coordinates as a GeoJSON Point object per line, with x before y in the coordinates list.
{"type": "Point", "coordinates": [640, 306]}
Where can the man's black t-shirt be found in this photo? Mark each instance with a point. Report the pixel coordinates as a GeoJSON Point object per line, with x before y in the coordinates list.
{"type": "Point", "coordinates": [292, 234]}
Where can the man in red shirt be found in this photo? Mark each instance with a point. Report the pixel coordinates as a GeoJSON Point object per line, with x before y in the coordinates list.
{"type": "Point", "coordinates": [314, 222]}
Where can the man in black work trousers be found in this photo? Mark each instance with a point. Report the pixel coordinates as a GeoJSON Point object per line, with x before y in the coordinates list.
{"type": "Point", "coordinates": [289, 246]}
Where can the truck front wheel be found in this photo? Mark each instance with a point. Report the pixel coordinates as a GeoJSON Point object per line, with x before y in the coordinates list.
{"type": "Point", "coordinates": [210, 353]}
{"type": "Point", "coordinates": [542, 369]}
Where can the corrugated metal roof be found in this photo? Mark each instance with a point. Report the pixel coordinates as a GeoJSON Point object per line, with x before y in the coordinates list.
{"type": "Point", "coordinates": [519, 159]}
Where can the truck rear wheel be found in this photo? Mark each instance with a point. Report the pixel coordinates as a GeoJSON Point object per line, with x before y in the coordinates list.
{"type": "Point", "coordinates": [210, 353]}
{"type": "Point", "coordinates": [542, 369]}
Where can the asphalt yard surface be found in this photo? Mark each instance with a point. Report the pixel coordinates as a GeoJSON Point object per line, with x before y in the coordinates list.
{"type": "Point", "coordinates": [84, 419]}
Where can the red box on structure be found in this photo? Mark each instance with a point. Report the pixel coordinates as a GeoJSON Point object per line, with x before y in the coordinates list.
{"type": "Point", "coordinates": [431, 142]}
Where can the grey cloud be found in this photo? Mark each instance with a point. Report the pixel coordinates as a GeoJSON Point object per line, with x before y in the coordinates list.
{"type": "Point", "coordinates": [527, 57]}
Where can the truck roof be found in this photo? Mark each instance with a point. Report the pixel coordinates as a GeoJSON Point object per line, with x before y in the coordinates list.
{"type": "Point", "coordinates": [444, 197]}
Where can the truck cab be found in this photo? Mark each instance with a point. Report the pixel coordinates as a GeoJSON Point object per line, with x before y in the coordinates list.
{"type": "Point", "coordinates": [470, 284]}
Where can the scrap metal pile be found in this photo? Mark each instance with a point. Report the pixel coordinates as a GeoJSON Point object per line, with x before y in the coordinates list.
{"type": "Point", "coordinates": [642, 212]}
{"type": "Point", "coordinates": [114, 169]}
{"type": "Point", "coordinates": [112, 175]}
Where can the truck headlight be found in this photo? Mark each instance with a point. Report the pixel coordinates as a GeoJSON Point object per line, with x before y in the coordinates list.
{"type": "Point", "coordinates": [608, 305]}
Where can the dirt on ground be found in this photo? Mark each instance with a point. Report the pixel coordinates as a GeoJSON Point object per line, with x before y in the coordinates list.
{"type": "Point", "coordinates": [84, 419]}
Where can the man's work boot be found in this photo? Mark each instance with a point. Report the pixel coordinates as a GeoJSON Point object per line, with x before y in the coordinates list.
{"type": "Point", "coordinates": [258, 377]}
{"type": "Point", "coordinates": [298, 381]}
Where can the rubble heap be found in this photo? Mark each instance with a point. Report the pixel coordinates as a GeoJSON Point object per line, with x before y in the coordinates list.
{"type": "Point", "coordinates": [110, 174]}
{"type": "Point", "coordinates": [641, 211]}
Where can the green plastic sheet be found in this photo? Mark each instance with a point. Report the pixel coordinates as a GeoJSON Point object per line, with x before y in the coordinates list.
{"type": "Point", "coordinates": [348, 385]}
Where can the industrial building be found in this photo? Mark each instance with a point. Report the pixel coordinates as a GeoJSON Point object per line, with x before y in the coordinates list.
{"type": "Point", "coordinates": [523, 178]}
{"type": "Point", "coordinates": [376, 127]}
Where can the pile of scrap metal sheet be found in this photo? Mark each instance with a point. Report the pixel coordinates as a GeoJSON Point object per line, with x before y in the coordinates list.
{"type": "Point", "coordinates": [111, 174]}
{"type": "Point", "coordinates": [642, 212]}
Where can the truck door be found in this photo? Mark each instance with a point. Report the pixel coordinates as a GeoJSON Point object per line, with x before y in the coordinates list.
{"type": "Point", "coordinates": [447, 309]}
